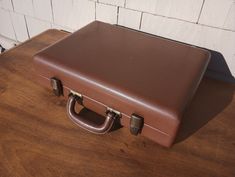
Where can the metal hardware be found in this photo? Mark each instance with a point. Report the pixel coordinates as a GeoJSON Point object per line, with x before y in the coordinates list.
{"type": "Point", "coordinates": [114, 111]}
{"type": "Point", "coordinates": [2, 49]}
{"type": "Point", "coordinates": [76, 93]}
{"type": "Point", "coordinates": [78, 96]}
{"type": "Point", "coordinates": [56, 86]}
{"type": "Point", "coordinates": [136, 124]}
{"type": "Point", "coordinates": [108, 108]}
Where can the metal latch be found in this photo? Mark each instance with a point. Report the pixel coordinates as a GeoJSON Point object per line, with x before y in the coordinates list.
{"type": "Point", "coordinates": [56, 86]}
{"type": "Point", "coordinates": [76, 93]}
{"type": "Point", "coordinates": [2, 49]}
{"type": "Point", "coordinates": [136, 124]}
{"type": "Point", "coordinates": [114, 111]}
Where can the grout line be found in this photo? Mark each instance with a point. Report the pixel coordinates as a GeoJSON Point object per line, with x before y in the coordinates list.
{"type": "Point", "coordinates": [13, 25]}
{"type": "Point", "coordinates": [141, 18]}
{"type": "Point", "coordinates": [125, 3]}
{"type": "Point", "coordinates": [12, 5]}
{"type": "Point", "coordinates": [26, 26]}
{"type": "Point", "coordinates": [52, 11]}
{"type": "Point", "coordinates": [120, 7]}
{"type": "Point", "coordinates": [117, 14]}
{"type": "Point", "coordinates": [107, 4]}
{"type": "Point", "coordinates": [173, 18]}
{"type": "Point", "coordinates": [199, 16]}
{"type": "Point", "coordinates": [177, 19]}
{"type": "Point", "coordinates": [10, 39]}
{"type": "Point", "coordinates": [228, 13]}
{"type": "Point", "coordinates": [159, 15]}
{"type": "Point", "coordinates": [36, 18]}
{"type": "Point", "coordinates": [95, 10]}
{"type": "Point", "coordinates": [33, 8]}
{"type": "Point", "coordinates": [200, 24]}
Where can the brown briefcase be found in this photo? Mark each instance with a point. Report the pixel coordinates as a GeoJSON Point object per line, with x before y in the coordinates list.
{"type": "Point", "coordinates": [143, 80]}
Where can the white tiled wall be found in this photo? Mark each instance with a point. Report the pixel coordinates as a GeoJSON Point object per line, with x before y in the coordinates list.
{"type": "Point", "coordinates": [106, 13]}
{"type": "Point", "coordinates": [181, 9]}
{"type": "Point", "coordinates": [205, 23]}
{"type": "Point", "coordinates": [219, 13]}
{"type": "Point", "coordinates": [6, 28]}
{"type": "Point", "coordinates": [6, 4]}
{"type": "Point", "coordinates": [129, 18]}
{"type": "Point", "coordinates": [36, 26]}
{"type": "Point", "coordinates": [19, 25]}
{"type": "Point", "coordinates": [23, 7]}
{"type": "Point", "coordinates": [73, 14]}
{"type": "Point", "coordinates": [42, 9]}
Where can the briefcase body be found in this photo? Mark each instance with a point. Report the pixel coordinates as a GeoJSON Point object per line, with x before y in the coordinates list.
{"type": "Point", "coordinates": [142, 80]}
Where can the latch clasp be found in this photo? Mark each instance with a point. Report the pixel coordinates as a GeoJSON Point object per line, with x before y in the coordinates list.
{"type": "Point", "coordinates": [56, 86]}
{"type": "Point", "coordinates": [136, 124]}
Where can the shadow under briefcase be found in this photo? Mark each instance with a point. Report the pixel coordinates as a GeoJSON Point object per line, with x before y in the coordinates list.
{"type": "Point", "coordinates": [143, 80]}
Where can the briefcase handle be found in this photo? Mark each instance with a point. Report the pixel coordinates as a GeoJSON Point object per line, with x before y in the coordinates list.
{"type": "Point", "coordinates": [83, 122]}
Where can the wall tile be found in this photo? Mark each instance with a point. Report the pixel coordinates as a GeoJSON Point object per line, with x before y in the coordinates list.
{"type": "Point", "coordinates": [36, 26]}
{"type": "Point", "coordinates": [42, 9]}
{"type": "Point", "coordinates": [73, 14]}
{"type": "Point", "coordinates": [6, 27]}
{"type": "Point", "coordinates": [182, 9]}
{"type": "Point", "coordinates": [24, 7]}
{"type": "Point", "coordinates": [169, 28]}
{"type": "Point", "coordinates": [226, 45]}
{"type": "Point", "coordinates": [230, 20]}
{"type": "Point", "coordinates": [129, 18]}
{"type": "Point", "coordinates": [219, 13]}
{"type": "Point", "coordinates": [62, 11]}
{"type": "Point", "coordinates": [83, 13]}
{"type": "Point", "coordinates": [113, 2]}
{"type": "Point", "coordinates": [207, 37]}
{"type": "Point", "coordinates": [106, 13]}
{"type": "Point", "coordinates": [6, 4]}
{"type": "Point", "coordinates": [142, 5]}
{"type": "Point", "coordinates": [19, 25]}
{"type": "Point", "coordinates": [188, 10]}
{"type": "Point", "coordinates": [181, 31]}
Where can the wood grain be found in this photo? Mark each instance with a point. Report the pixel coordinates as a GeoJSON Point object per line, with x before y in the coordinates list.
{"type": "Point", "coordinates": [37, 139]}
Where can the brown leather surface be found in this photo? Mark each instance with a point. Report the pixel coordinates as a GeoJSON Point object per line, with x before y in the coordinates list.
{"type": "Point", "coordinates": [129, 71]}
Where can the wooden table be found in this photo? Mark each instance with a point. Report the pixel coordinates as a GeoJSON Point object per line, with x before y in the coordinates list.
{"type": "Point", "coordinates": [37, 139]}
